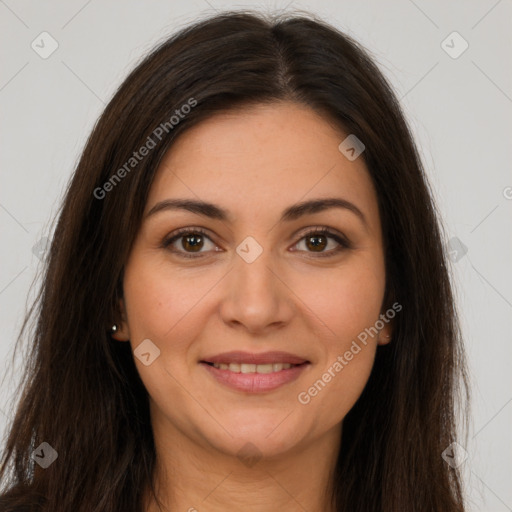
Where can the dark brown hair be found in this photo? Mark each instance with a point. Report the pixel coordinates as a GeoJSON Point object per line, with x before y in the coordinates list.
{"type": "Point", "coordinates": [81, 392]}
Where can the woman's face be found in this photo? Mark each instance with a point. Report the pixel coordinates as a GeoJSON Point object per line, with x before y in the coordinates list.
{"type": "Point", "coordinates": [255, 282]}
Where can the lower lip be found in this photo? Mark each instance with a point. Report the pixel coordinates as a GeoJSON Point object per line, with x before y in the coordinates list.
{"type": "Point", "coordinates": [255, 382]}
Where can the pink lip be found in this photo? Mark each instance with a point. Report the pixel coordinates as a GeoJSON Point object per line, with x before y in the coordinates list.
{"type": "Point", "coordinates": [255, 382]}
{"type": "Point", "coordinates": [240, 357]}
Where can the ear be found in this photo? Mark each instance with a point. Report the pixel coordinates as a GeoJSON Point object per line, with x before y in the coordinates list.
{"type": "Point", "coordinates": [123, 332]}
{"type": "Point", "coordinates": [386, 333]}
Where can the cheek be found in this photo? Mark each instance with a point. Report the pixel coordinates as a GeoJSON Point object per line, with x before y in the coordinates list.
{"type": "Point", "coordinates": [344, 301]}
{"type": "Point", "coordinates": [334, 392]}
{"type": "Point", "coordinates": [159, 302]}
{"type": "Point", "coordinates": [166, 309]}
{"type": "Point", "coordinates": [346, 305]}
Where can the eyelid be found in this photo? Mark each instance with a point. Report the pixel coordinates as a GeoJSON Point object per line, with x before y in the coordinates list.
{"type": "Point", "coordinates": [179, 233]}
{"type": "Point", "coordinates": [343, 242]}
{"type": "Point", "coordinates": [326, 231]}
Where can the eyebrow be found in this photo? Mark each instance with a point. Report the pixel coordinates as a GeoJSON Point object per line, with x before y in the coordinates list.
{"type": "Point", "coordinates": [291, 213]}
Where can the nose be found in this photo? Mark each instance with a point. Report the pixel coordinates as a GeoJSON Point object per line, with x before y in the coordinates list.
{"type": "Point", "coordinates": [257, 297]}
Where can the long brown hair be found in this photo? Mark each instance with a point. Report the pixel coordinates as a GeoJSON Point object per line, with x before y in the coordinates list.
{"type": "Point", "coordinates": [81, 392]}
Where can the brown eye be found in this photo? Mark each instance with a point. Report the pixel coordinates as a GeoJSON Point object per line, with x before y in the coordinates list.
{"type": "Point", "coordinates": [187, 241]}
{"type": "Point", "coordinates": [317, 240]}
{"type": "Point", "coordinates": [192, 242]}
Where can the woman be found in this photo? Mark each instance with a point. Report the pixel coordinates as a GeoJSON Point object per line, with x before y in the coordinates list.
{"type": "Point", "coordinates": [246, 302]}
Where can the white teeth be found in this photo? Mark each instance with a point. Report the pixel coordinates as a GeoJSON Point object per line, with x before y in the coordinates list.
{"type": "Point", "coordinates": [247, 368]}
{"type": "Point", "coordinates": [253, 368]}
{"type": "Point", "coordinates": [264, 368]}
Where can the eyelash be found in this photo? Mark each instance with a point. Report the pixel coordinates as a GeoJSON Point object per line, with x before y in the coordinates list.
{"type": "Point", "coordinates": [343, 242]}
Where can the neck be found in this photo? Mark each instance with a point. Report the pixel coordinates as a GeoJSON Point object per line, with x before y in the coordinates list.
{"type": "Point", "coordinates": [195, 478]}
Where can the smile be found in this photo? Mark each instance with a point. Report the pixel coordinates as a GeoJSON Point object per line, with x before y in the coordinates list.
{"type": "Point", "coordinates": [254, 378]}
{"type": "Point", "coordinates": [253, 368]}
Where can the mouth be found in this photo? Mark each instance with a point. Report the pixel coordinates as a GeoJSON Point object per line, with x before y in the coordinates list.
{"type": "Point", "coordinates": [253, 368]}
{"type": "Point", "coordinates": [255, 373]}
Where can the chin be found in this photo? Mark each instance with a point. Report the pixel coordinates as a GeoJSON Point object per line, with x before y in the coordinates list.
{"type": "Point", "coordinates": [266, 435]}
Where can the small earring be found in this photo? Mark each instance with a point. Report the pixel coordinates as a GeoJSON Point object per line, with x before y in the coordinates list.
{"type": "Point", "coordinates": [114, 329]}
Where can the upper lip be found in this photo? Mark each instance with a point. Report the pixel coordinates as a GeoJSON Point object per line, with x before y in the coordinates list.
{"type": "Point", "coordinates": [240, 357]}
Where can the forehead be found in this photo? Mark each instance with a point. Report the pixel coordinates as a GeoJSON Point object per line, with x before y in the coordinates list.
{"type": "Point", "coordinates": [267, 156]}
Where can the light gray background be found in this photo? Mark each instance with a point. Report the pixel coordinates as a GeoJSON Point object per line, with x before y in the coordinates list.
{"type": "Point", "coordinates": [459, 109]}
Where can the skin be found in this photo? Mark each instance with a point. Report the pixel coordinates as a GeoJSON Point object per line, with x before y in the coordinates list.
{"type": "Point", "coordinates": [254, 163]}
